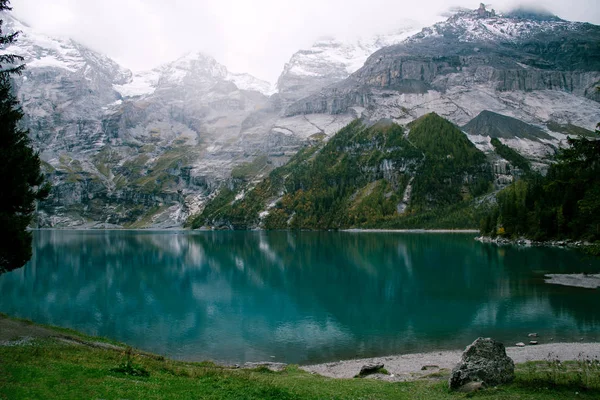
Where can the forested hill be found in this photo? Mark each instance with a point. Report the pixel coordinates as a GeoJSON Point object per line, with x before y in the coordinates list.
{"type": "Point", "coordinates": [564, 204]}
{"type": "Point", "coordinates": [364, 176]}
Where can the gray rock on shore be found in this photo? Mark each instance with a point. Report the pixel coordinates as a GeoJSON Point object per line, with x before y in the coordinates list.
{"type": "Point", "coordinates": [485, 361]}
{"type": "Point", "coordinates": [370, 368]}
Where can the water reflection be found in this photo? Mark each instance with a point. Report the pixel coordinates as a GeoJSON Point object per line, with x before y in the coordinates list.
{"type": "Point", "coordinates": [296, 296]}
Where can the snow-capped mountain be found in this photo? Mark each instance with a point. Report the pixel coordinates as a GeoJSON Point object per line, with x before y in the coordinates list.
{"type": "Point", "coordinates": [63, 88]}
{"type": "Point", "coordinates": [248, 82]}
{"type": "Point", "coordinates": [117, 146]}
{"type": "Point", "coordinates": [330, 60]}
{"type": "Point", "coordinates": [533, 67]}
{"type": "Point", "coordinates": [193, 66]}
{"type": "Point", "coordinates": [42, 51]}
{"type": "Point", "coordinates": [483, 25]}
{"type": "Point", "coordinates": [148, 149]}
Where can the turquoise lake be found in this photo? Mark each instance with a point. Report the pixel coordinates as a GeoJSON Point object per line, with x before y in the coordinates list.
{"type": "Point", "coordinates": [298, 297]}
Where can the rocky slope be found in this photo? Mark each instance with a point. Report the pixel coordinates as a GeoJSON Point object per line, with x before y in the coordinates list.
{"type": "Point", "coordinates": [542, 71]}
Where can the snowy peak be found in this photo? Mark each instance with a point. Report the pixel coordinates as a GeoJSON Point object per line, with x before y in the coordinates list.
{"type": "Point", "coordinates": [193, 66]}
{"type": "Point", "coordinates": [249, 82]}
{"type": "Point", "coordinates": [330, 60]}
{"type": "Point", "coordinates": [192, 69]}
{"type": "Point", "coordinates": [487, 25]}
{"type": "Point", "coordinates": [42, 51]}
{"type": "Point", "coordinates": [331, 56]}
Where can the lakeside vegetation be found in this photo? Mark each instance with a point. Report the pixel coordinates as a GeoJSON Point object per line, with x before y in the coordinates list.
{"type": "Point", "coordinates": [74, 366]}
{"type": "Point", "coordinates": [563, 204]}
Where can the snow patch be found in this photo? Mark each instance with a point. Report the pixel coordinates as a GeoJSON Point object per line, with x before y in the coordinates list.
{"type": "Point", "coordinates": [143, 83]}
{"type": "Point", "coordinates": [249, 82]}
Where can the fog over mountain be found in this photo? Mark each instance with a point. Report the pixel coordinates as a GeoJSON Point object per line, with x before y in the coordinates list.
{"type": "Point", "coordinates": [256, 37]}
{"type": "Point", "coordinates": [155, 147]}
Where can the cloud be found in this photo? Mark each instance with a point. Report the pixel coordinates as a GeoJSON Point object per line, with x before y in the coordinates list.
{"type": "Point", "coordinates": [256, 36]}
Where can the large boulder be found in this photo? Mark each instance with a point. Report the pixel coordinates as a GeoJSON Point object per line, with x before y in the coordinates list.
{"type": "Point", "coordinates": [485, 361]}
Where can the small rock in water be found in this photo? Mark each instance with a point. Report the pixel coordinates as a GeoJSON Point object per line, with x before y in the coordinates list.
{"type": "Point", "coordinates": [520, 344]}
{"type": "Point", "coordinates": [370, 368]}
{"type": "Point", "coordinates": [426, 367]}
{"type": "Point", "coordinates": [533, 335]}
{"type": "Point", "coordinates": [533, 342]}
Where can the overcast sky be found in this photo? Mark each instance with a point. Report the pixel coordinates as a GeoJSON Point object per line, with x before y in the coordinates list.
{"type": "Point", "coordinates": [254, 36]}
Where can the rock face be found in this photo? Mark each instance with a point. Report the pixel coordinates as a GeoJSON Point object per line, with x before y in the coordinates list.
{"type": "Point", "coordinates": [534, 70]}
{"type": "Point", "coordinates": [484, 360]}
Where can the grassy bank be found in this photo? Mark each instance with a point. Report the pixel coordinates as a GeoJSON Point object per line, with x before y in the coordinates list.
{"type": "Point", "coordinates": [71, 366]}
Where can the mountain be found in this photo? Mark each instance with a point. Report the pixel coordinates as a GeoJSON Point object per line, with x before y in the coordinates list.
{"type": "Point", "coordinates": [331, 60]}
{"type": "Point", "coordinates": [540, 71]}
{"type": "Point", "coordinates": [63, 89]}
{"type": "Point", "coordinates": [189, 67]}
{"type": "Point", "coordinates": [152, 148]}
{"type": "Point", "coordinates": [123, 149]}
{"type": "Point", "coordinates": [363, 176]}
{"type": "Point", "coordinates": [495, 125]}
{"type": "Point", "coordinates": [525, 138]}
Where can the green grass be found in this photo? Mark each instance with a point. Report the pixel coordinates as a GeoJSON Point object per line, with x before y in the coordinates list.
{"type": "Point", "coordinates": [52, 369]}
{"type": "Point", "coordinates": [49, 369]}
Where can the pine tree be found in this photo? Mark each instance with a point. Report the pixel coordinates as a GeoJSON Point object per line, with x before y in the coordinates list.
{"type": "Point", "coordinates": [21, 180]}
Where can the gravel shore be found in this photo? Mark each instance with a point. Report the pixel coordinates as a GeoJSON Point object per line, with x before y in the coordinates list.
{"type": "Point", "coordinates": [577, 280]}
{"type": "Point", "coordinates": [414, 366]}
{"type": "Point", "coordinates": [356, 230]}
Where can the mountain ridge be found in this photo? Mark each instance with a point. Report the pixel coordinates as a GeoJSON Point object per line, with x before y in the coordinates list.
{"type": "Point", "coordinates": [464, 57]}
{"type": "Point", "coordinates": [153, 148]}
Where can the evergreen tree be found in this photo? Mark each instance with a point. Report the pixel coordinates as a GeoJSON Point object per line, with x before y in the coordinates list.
{"type": "Point", "coordinates": [21, 180]}
{"type": "Point", "coordinates": [563, 204]}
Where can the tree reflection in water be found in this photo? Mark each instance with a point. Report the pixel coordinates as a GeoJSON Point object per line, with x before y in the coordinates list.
{"type": "Point", "coordinates": [298, 296]}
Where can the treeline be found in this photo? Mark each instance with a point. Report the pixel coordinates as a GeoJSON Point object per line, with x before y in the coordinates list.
{"type": "Point", "coordinates": [563, 204]}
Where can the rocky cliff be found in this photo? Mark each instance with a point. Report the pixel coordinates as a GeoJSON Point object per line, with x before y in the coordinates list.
{"type": "Point", "coordinates": [538, 70]}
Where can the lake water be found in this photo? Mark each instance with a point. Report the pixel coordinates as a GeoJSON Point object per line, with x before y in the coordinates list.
{"type": "Point", "coordinates": [298, 297]}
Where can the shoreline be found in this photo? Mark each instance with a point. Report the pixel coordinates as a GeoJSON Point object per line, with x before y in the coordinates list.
{"type": "Point", "coordinates": [408, 367]}
{"type": "Point", "coordinates": [523, 242]}
{"type": "Point", "coordinates": [187, 230]}
{"type": "Point", "coordinates": [358, 230]}
{"type": "Point", "coordinates": [401, 367]}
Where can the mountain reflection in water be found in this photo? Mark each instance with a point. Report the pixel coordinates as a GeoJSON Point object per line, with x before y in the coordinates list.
{"type": "Point", "coordinates": [297, 296]}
